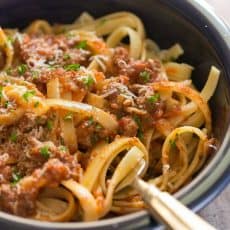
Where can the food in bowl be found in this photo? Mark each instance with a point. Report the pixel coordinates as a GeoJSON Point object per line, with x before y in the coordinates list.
{"type": "Point", "coordinates": [83, 105]}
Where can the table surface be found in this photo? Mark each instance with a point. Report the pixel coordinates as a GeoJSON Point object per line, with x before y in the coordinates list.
{"type": "Point", "coordinates": [218, 212]}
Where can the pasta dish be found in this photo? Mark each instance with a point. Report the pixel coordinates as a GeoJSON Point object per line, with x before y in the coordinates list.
{"type": "Point", "coordinates": [83, 106]}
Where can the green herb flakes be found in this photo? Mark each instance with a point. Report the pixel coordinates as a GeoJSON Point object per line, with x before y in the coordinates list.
{"type": "Point", "coordinates": [66, 57]}
{"type": "Point", "coordinates": [140, 134]}
{"type": "Point", "coordinates": [82, 45]}
{"type": "Point", "coordinates": [36, 104]}
{"type": "Point", "coordinates": [90, 121]}
{"type": "Point", "coordinates": [137, 120]}
{"type": "Point", "coordinates": [28, 94]}
{"type": "Point", "coordinates": [49, 125]}
{"type": "Point", "coordinates": [6, 104]}
{"type": "Point", "coordinates": [22, 69]}
{"type": "Point", "coordinates": [172, 143]}
{"type": "Point", "coordinates": [9, 71]}
{"type": "Point", "coordinates": [16, 177]}
{"type": "Point", "coordinates": [73, 67]}
{"type": "Point", "coordinates": [35, 74]}
{"type": "Point", "coordinates": [63, 148]}
{"type": "Point", "coordinates": [10, 39]}
{"type": "Point", "coordinates": [88, 81]}
{"type": "Point", "coordinates": [144, 76]}
{"type": "Point", "coordinates": [140, 130]}
{"type": "Point", "coordinates": [153, 99]}
{"type": "Point", "coordinates": [1, 89]}
{"type": "Point", "coordinates": [44, 151]}
{"type": "Point", "coordinates": [13, 137]}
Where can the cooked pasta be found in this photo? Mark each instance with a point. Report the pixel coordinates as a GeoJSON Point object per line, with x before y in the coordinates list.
{"type": "Point", "coordinates": [83, 106]}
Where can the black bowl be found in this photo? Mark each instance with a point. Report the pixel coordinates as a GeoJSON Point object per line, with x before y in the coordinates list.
{"type": "Point", "coordinates": [206, 41]}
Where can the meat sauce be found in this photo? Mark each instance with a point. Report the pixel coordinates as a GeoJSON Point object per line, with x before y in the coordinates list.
{"type": "Point", "coordinates": [31, 156]}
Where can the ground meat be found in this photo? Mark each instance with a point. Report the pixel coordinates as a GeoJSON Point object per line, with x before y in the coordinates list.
{"type": "Point", "coordinates": [70, 80]}
{"type": "Point", "coordinates": [51, 50]}
{"type": "Point", "coordinates": [89, 132]}
{"type": "Point", "coordinates": [122, 64]}
{"type": "Point", "coordinates": [148, 100]}
{"type": "Point", "coordinates": [40, 56]}
{"type": "Point", "coordinates": [120, 57]}
{"type": "Point", "coordinates": [158, 110]}
{"type": "Point", "coordinates": [85, 135]}
{"type": "Point", "coordinates": [119, 96]}
{"type": "Point", "coordinates": [17, 142]}
{"type": "Point", "coordinates": [56, 152]}
{"type": "Point", "coordinates": [143, 92]}
{"type": "Point", "coordinates": [134, 100]}
{"type": "Point", "coordinates": [5, 170]}
{"type": "Point", "coordinates": [8, 198]}
{"type": "Point", "coordinates": [20, 199]}
{"type": "Point", "coordinates": [128, 127]}
{"type": "Point", "coordinates": [30, 121]}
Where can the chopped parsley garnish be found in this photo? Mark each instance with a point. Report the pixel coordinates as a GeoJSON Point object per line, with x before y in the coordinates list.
{"type": "Point", "coordinates": [6, 104]}
{"type": "Point", "coordinates": [44, 151]}
{"type": "Point", "coordinates": [68, 116]}
{"type": "Point", "coordinates": [49, 125]}
{"type": "Point", "coordinates": [139, 131]}
{"type": "Point", "coordinates": [145, 76]}
{"type": "Point", "coordinates": [1, 89]}
{"type": "Point", "coordinates": [13, 136]}
{"type": "Point", "coordinates": [74, 67]}
{"type": "Point", "coordinates": [22, 69]}
{"type": "Point", "coordinates": [88, 81]}
{"type": "Point", "coordinates": [36, 104]}
{"type": "Point", "coordinates": [140, 134]}
{"type": "Point", "coordinates": [16, 177]}
{"type": "Point", "coordinates": [153, 99]}
{"type": "Point", "coordinates": [9, 71]}
{"type": "Point", "coordinates": [90, 121]}
{"type": "Point", "coordinates": [52, 66]}
{"type": "Point", "coordinates": [63, 148]}
{"type": "Point", "coordinates": [10, 39]}
{"type": "Point", "coordinates": [137, 120]}
{"type": "Point", "coordinates": [172, 143]}
{"type": "Point", "coordinates": [82, 45]}
{"type": "Point", "coordinates": [28, 94]}
{"type": "Point", "coordinates": [66, 57]}
{"type": "Point", "coordinates": [34, 74]}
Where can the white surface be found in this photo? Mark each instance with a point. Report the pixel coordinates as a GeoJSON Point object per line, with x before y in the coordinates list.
{"type": "Point", "coordinates": [222, 8]}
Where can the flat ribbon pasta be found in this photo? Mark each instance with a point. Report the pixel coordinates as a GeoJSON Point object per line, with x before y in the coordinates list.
{"type": "Point", "coordinates": [51, 207]}
{"type": "Point", "coordinates": [8, 49]}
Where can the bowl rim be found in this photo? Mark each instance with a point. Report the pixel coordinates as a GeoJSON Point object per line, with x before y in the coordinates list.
{"type": "Point", "coordinates": [207, 185]}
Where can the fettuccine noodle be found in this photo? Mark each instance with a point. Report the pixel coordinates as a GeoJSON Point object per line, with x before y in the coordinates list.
{"type": "Point", "coordinates": [84, 106]}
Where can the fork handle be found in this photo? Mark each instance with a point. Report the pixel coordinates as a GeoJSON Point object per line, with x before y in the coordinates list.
{"type": "Point", "coordinates": [166, 209]}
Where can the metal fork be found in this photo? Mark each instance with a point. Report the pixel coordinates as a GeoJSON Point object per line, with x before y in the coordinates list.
{"type": "Point", "coordinates": [167, 209]}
